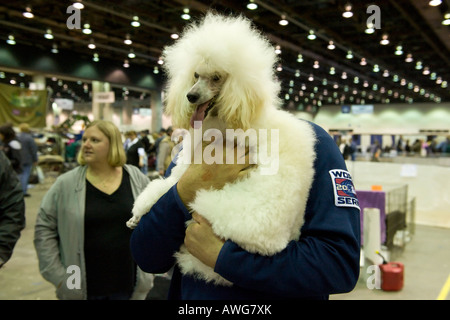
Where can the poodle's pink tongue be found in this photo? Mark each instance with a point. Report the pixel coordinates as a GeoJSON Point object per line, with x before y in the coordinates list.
{"type": "Point", "coordinates": [199, 115]}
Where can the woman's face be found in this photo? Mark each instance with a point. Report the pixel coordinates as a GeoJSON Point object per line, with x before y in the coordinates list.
{"type": "Point", "coordinates": [95, 146]}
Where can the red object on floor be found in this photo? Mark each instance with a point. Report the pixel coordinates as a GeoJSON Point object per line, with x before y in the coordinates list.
{"type": "Point", "coordinates": [392, 276]}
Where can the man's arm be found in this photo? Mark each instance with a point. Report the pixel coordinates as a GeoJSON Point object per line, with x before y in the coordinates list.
{"type": "Point", "coordinates": [160, 233]}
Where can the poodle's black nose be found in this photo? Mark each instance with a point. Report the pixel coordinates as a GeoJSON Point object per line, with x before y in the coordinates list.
{"type": "Point", "coordinates": [192, 97]}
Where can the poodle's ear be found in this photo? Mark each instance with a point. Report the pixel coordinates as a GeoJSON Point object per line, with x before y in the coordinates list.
{"type": "Point", "coordinates": [240, 103]}
{"type": "Point", "coordinates": [176, 104]}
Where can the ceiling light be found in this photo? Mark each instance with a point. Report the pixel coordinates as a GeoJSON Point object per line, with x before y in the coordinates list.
{"type": "Point", "coordinates": [311, 77]}
{"type": "Point", "coordinates": [78, 5]}
{"type": "Point", "coordinates": [55, 48]}
{"type": "Point", "coordinates": [278, 50]}
{"type": "Point", "coordinates": [349, 55]}
{"type": "Point", "coordinates": [332, 71]}
{"type": "Point", "coordinates": [418, 65]}
{"type": "Point", "coordinates": [160, 61]}
{"type": "Point", "coordinates": [185, 15]}
{"type": "Point", "coordinates": [385, 73]}
{"type": "Point", "coordinates": [384, 40]}
{"type": "Point", "coordinates": [127, 40]}
{"type": "Point", "coordinates": [283, 22]}
{"type": "Point", "coordinates": [131, 54]}
{"type": "Point", "coordinates": [297, 73]}
{"type": "Point", "coordinates": [446, 21]}
{"type": "Point", "coordinates": [96, 58]}
{"type": "Point", "coordinates": [300, 58]}
{"type": "Point", "coordinates": [370, 28]}
{"type": "Point", "coordinates": [331, 45]}
{"type": "Point", "coordinates": [155, 70]}
{"type": "Point", "coordinates": [27, 13]}
{"type": "Point", "coordinates": [398, 51]}
{"type": "Point", "coordinates": [126, 64]}
{"type": "Point", "coordinates": [87, 28]}
{"type": "Point", "coordinates": [435, 3]}
{"type": "Point", "coordinates": [251, 5]}
{"type": "Point", "coordinates": [348, 11]}
{"type": "Point", "coordinates": [344, 75]}
{"type": "Point", "coordinates": [91, 44]}
{"type": "Point", "coordinates": [48, 34]}
{"type": "Point", "coordinates": [279, 68]}
{"type": "Point", "coordinates": [11, 40]}
{"type": "Point", "coordinates": [426, 71]}
{"type": "Point", "coordinates": [311, 35]}
{"type": "Point", "coordinates": [376, 68]}
{"type": "Point", "coordinates": [174, 36]}
{"type": "Point", "coordinates": [316, 65]}
{"type": "Point", "coordinates": [409, 58]}
{"type": "Point", "coordinates": [135, 23]}
{"type": "Point", "coordinates": [363, 62]}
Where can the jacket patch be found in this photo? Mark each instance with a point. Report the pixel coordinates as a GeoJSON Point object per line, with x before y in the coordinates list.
{"type": "Point", "coordinates": [344, 190]}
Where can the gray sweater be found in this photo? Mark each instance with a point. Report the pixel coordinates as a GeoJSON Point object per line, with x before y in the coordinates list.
{"type": "Point", "coordinates": [59, 234]}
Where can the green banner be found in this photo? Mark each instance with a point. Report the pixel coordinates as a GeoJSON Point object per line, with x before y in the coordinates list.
{"type": "Point", "coordinates": [19, 105]}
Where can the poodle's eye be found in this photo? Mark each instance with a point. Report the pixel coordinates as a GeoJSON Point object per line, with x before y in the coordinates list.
{"type": "Point", "coordinates": [216, 77]}
{"type": "Point", "coordinates": [196, 75]}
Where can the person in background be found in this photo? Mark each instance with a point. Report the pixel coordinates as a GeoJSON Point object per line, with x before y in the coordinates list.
{"type": "Point", "coordinates": [81, 223]}
{"type": "Point", "coordinates": [164, 152]}
{"type": "Point", "coordinates": [11, 146]}
{"type": "Point", "coordinates": [136, 152]}
{"type": "Point", "coordinates": [375, 151]}
{"type": "Point", "coordinates": [29, 155]}
{"type": "Point", "coordinates": [12, 209]}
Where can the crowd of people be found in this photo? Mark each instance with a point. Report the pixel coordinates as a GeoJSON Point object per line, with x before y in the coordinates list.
{"type": "Point", "coordinates": [19, 154]}
{"type": "Point", "coordinates": [427, 147]}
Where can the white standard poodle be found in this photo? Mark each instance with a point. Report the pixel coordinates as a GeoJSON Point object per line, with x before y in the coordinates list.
{"type": "Point", "coordinates": [221, 75]}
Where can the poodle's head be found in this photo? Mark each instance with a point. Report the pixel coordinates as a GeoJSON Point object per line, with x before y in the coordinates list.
{"type": "Point", "coordinates": [220, 67]}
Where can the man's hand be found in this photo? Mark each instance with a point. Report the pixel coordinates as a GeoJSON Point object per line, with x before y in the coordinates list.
{"type": "Point", "coordinates": [214, 175]}
{"type": "Point", "coordinates": [201, 241]}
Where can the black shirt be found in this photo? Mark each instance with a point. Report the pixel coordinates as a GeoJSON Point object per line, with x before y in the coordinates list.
{"type": "Point", "coordinates": [110, 268]}
{"type": "Point", "coordinates": [132, 154]}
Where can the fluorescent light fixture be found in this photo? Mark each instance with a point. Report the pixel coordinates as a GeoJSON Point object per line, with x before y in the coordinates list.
{"type": "Point", "coordinates": [252, 6]}
{"type": "Point", "coordinates": [135, 23]}
{"type": "Point", "coordinates": [11, 40]}
{"type": "Point", "coordinates": [27, 13]}
{"type": "Point", "coordinates": [348, 11]}
{"type": "Point", "coordinates": [48, 34]}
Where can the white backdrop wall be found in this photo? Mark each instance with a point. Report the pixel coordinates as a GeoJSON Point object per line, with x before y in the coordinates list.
{"type": "Point", "coordinates": [387, 118]}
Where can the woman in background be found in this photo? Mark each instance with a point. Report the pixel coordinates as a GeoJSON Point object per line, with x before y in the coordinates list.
{"type": "Point", "coordinates": [81, 236]}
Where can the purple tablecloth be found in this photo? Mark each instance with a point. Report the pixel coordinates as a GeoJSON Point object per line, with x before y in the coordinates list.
{"type": "Point", "coordinates": [373, 199]}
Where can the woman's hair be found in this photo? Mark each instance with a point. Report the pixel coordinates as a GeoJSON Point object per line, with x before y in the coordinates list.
{"type": "Point", "coordinates": [116, 154]}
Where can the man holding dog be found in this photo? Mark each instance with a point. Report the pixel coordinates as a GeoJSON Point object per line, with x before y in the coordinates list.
{"type": "Point", "coordinates": [325, 260]}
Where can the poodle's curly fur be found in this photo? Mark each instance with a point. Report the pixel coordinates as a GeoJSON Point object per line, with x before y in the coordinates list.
{"type": "Point", "coordinates": [261, 213]}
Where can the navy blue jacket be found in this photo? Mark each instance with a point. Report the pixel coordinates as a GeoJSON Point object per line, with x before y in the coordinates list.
{"type": "Point", "coordinates": [325, 260]}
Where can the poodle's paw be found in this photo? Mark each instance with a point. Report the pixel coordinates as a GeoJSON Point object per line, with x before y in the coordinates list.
{"type": "Point", "coordinates": [133, 222]}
